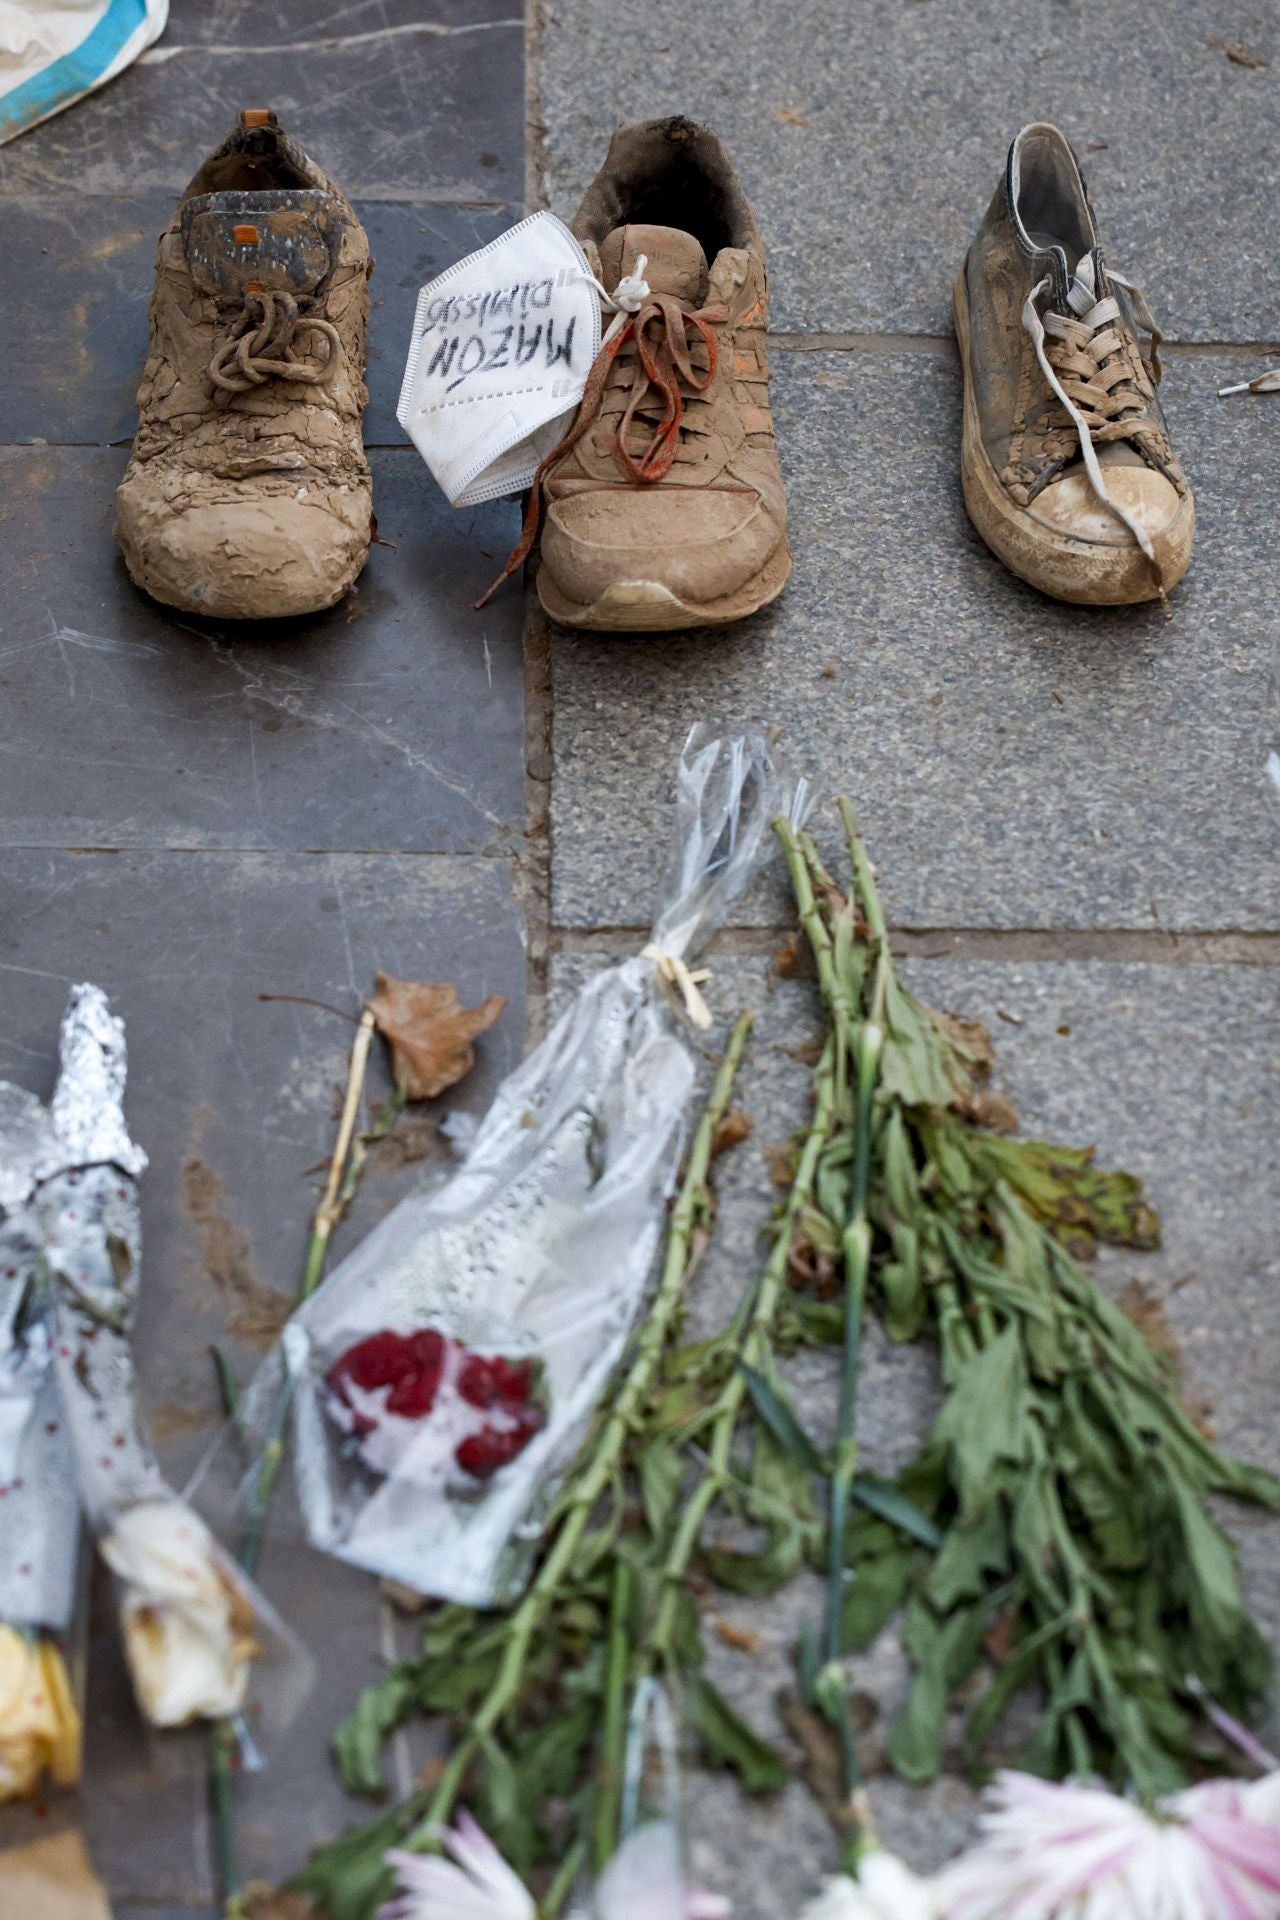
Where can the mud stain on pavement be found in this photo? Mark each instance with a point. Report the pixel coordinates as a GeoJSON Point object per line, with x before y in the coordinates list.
{"type": "Point", "coordinates": [255, 1311]}
{"type": "Point", "coordinates": [169, 1421]}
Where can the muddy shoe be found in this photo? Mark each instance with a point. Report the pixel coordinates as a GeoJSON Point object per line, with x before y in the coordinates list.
{"type": "Point", "coordinates": [1068, 472]}
{"type": "Point", "coordinates": [248, 495]}
{"type": "Point", "coordinates": [663, 506]}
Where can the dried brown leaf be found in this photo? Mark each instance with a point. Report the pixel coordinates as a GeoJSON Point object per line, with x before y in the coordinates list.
{"type": "Point", "coordinates": [794, 959]}
{"type": "Point", "coordinates": [738, 1637]}
{"type": "Point", "coordinates": [731, 1130]}
{"type": "Point", "coordinates": [264, 1902]}
{"type": "Point", "coordinates": [1239, 56]}
{"type": "Point", "coordinates": [429, 1031]}
{"type": "Point", "coordinates": [790, 116]}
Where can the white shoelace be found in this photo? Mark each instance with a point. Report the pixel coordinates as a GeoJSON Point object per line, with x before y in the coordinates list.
{"type": "Point", "coordinates": [627, 297]}
{"type": "Point", "coordinates": [1082, 297]}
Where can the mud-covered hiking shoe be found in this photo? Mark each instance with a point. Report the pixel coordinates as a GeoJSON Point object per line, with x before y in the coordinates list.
{"type": "Point", "coordinates": [663, 506]}
{"type": "Point", "coordinates": [1068, 472]}
{"type": "Point", "coordinates": [248, 495]}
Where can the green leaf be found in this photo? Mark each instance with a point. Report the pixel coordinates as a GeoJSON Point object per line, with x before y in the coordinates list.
{"type": "Point", "coordinates": [661, 1473]}
{"type": "Point", "coordinates": [943, 1653]}
{"type": "Point", "coordinates": [779, 1418]}
{"type": "Point", "coordinates": [919, 1064]}
{"type": "Point", "coordinates": [358, 1742]}
{"type": "Point", "coordinates": [1009, 1680]}
{"type": "Point", "coordinates": [976, 1545]}
{"type": "Point", "coordinates": [728, 1741]}
{"type": "Point", "coordinates": [984, 1417]}
{"type": "Point", "coordinates": [1217, 1610]}
{"type": "Point", "coordinates": [348, 1878]}
{"type": "Point", "coordinates": [890, 1503]}
{"type": "Point", "coordinates": [808, 1323]}
{"type": "Point", "coordinates": [875, 1591]}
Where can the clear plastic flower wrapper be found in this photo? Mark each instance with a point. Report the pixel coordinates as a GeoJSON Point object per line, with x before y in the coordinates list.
{"type": "Point", "coordinates": [40, 1724]}
{"type": "Point", "coordinates": [444, 1373]}
{"type": "Point", "coordinates": [197, 1633]}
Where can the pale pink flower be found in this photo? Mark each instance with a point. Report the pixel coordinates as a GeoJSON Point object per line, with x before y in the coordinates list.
{"type": "Point", "coordinates": [1075, 1852]}
{"type": "Point", "coordinates": [641, 1882]}
{"type": "Point", "coordinates": [477, 1884]}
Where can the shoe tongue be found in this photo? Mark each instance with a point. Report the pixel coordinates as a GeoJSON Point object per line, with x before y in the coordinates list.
{"type": "Point", "coordinates": [675, 264]}
{"type": "Point", "coordinates": [1088, 283]}
{"type": "Point", "coordinates": [286, 240]}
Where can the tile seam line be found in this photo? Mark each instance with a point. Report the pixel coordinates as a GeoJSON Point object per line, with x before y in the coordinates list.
{"type": "Point", "coordinates": [90, 850]}
{"type": "Point", "coordinates": [1218, 946]}
{"type": "Point", "coordinates": [803, 341]}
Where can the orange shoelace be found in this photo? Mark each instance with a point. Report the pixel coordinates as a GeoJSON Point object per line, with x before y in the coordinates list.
{"type": "Point", "coordinates": [664, 359]}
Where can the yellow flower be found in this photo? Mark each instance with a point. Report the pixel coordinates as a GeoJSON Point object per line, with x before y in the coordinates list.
{"type": "Point", "coordinates": [39, 1724]}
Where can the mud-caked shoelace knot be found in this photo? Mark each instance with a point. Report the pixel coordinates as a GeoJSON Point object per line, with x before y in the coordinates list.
{"type": "Point", "coordinates": [260, 346]}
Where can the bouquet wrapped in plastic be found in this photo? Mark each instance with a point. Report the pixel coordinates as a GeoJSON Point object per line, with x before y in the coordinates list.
{"type": "Point", "coordinates": [445, 1372]}
{"type": "Point", "coordinates": [39, 1514]}
{"type": "Point", "coordinates": [70, 1418]}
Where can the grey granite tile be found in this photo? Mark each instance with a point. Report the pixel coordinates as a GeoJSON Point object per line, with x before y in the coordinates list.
{"type": "Point", "coordinates": [392, 721]}
{"type": "Point", "coordinates": [871, 135]}
{"type": "Point", "coordinates": [433, 111]}
{"type": "Point", "coordinates": [1169, 1070]}
{"type": "Point", "coordinates": [1017, 762]}
{"type": "Point", "coordinates": [234, 1100]}
{"type": "Point", "coordinates": [73, 331]}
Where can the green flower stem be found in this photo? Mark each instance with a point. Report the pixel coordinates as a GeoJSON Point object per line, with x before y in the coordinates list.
{"type": "Point", "coordinates": [222, 1747]}
{"type": "Point", "coordinates": [857, 1263]}
{"type": "Point", "coordinates": [802, 865]}
{"type": "Point", "coordinates": [561, 1887]}
{"type": "Point", "coordinates": [334, 1199]}
{"type": "Point", "coordinates": [613, 1740]}
{"type": "Point", "coordinates": [718, 1471]}
{"type": "Point", "coordinates": [603, 1456]}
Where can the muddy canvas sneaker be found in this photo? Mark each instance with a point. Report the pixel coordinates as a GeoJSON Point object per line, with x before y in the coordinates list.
{"type": "Point", "coordinates": [1068, 472]}
{"type": "Point", "coordinates": [663, 506]}
{"type": "Point", "coordinates": [248, 495]}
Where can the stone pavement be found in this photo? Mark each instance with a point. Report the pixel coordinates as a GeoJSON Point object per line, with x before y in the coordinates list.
{"type": "Point", "coordinates": [1066, 806]}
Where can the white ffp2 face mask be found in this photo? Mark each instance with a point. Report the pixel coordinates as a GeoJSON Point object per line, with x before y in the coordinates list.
{"type": "Point", "coordinates": [502, 345]}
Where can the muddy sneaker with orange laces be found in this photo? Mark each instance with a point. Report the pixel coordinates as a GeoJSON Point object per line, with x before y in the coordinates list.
{"type": "Point", "coordinates": [662, 507]}
{"type": "Point", "coordinates": [248, 495]}
{"type": "Point", "coordinates": [1069, 475]}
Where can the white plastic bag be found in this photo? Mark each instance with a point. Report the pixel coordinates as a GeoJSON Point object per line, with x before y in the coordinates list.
{"type": "Point", "coordinates": [195, 1628]}
{"type": "Point", "coordinates": [53, 52]}
{"type": "Point", "coordinates": [446, 1371]}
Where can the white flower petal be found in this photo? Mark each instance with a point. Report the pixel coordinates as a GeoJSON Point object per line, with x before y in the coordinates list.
{"type": "Point", "coordinates": [480, 1887]}
{"type": "Point", "coordinates": [886, 1889]}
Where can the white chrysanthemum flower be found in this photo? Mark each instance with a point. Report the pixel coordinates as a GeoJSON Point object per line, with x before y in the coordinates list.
{"type": "Point", "coordinates": [1070, 1852]}
{"type": "Point", "coordinates": [477, 1884]}
{"type": "Point", "coordinates": [885, 1889]}
{"type": "Point", "coordinates": [188, 1624]}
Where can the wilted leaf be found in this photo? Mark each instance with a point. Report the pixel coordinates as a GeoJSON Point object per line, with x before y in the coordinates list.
{"type": "Point", "coordinates": [728, 1741]}
{"type": "Point", "coordinates": [357, 1745]}
{"type": "Point", "coordinates": [430, 1032]}
{"type": "Point", "coordinates": [348, 1878]}
{"type": "Point", "coordinates": [984, 1417]}
{"type": "Point", "coordinates": [731, 1130]}
{"type": "Point", "coordinates": [779, 1417]}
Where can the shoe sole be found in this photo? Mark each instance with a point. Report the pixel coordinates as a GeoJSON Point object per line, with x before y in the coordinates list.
{"type": "Point", "coordinates": [646, 606]}
{"type": "Point", "coordinates": [1086, 573]}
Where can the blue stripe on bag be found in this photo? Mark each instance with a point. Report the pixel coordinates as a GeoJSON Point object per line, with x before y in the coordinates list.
{"type": "Point", "coordinates": [76, 72]}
